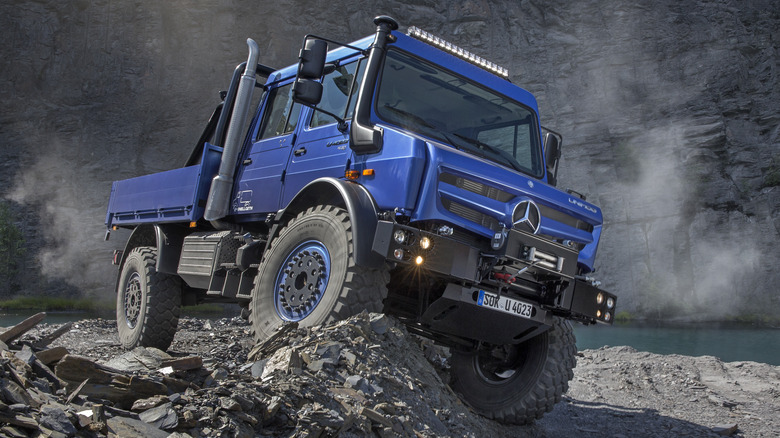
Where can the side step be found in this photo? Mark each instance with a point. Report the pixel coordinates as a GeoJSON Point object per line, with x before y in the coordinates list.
{"type": "Point", "coordinates": [223, 263]}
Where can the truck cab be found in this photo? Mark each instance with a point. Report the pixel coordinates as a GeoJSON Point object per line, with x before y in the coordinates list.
{"type": "Point", "coordinates": [399, 174]}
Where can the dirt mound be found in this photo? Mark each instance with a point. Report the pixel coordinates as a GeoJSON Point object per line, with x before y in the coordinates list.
{"type": "Point", "coordinates": [363, 376]}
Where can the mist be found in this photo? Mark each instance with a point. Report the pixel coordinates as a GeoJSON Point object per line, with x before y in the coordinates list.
{"type": "Point", "coordinates": [668, 112]}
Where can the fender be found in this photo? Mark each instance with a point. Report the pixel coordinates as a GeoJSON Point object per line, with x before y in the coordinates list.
{"type": "Point", "coordinates": [351, 196]}
{"type": "Point", "coordinates": [167, 239]}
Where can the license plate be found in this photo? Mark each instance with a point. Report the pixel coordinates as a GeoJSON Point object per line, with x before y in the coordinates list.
{"type": "Point", "coordinates": [505, 304]}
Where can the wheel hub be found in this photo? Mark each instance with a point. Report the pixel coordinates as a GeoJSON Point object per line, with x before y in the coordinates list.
{"type": "Point", "coordinates": [500, 364]}
{"type": "Point", "coordinates": [133, 298]}
{"type": "Point", "coordinates": [302, 281]}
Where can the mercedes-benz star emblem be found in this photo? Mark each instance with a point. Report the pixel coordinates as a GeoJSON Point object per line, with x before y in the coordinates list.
{"type": "Point", "coordinates": [527, 216]}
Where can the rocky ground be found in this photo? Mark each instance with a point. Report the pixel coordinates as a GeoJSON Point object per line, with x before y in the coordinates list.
{"type": "Point", "coordinates": [361, 377]}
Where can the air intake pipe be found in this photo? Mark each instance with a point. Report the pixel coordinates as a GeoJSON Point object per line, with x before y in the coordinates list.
{"type": "Point", "coordinates": [222, 184]}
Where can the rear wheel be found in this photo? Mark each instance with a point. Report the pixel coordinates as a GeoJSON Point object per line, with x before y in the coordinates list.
{"type": "Point", "coordinates": [147, 302]}
{"type": "Point", "coordinates": [309, 275]}
{"type": "Point", "coordinates": [517, 383]}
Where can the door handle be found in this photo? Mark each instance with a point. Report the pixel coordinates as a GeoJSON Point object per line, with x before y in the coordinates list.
{"type": "Point", "coordinates": [300, 151]}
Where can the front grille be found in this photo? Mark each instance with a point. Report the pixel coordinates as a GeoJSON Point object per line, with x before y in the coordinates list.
{"type": "Point", "coordinates": [476, 187]}
{"type": "Point", "coordinates": [470, 214]}
{"type": "Point", "coordinates": [564, 218]}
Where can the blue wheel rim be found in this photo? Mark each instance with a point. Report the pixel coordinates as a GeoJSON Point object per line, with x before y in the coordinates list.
{"type": "Point", "coordinates": [301, 281]}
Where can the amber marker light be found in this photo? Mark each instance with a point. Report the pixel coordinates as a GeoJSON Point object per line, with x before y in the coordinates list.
{"type": "Point", "coordinates": [352, 175]}
{"type": "Point", "coordinates": [193, 224]}
{"type": "Point", "coordinates": [368, 172]}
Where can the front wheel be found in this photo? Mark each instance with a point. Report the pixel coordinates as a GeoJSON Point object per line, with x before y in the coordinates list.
{"type": "Point", "coordinates": [147, 302]}
{"type": "Point", "coordinates": [517, 384]}
{"type": "Point", "coordinates": [309, 275]}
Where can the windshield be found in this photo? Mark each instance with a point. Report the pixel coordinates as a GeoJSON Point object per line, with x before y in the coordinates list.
{"type": "Point", "coordinates": [424, 98]}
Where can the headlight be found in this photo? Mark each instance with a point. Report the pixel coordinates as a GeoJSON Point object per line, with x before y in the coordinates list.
{"type": "Point", "coordinates": [400, 237]}
{"type": "Point", "coordinates": [425, 243]}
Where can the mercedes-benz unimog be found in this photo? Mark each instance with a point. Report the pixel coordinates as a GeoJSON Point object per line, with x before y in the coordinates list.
{"type": "Point", "coordinates": [397, 174]}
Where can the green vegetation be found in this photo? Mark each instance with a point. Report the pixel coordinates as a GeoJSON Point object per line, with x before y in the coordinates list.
{"type": "Point", "coordinates": [772, 177]}
{"type": "Point", "coordinates": [623, 317]}
{"type": "Point", "coordinates": [11, 250]}
{"type": "Point", "coordinates": [90, 305]}
{"type": "Point", "coordinates": [772, 174]}
{"type": "Point", "coordinates": [761, 320]}
{"type": "Point", "coordinates": [203, 310]}
{"type": "Point", "coordinates": [48, 304]}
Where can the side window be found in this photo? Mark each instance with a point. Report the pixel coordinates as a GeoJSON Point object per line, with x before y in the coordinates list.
{"type": "Point", "coordinates": [339, 93]}
{"type": "Point", "coordinates": [281, 115]}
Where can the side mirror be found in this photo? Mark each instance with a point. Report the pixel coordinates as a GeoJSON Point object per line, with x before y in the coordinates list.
{"type": "Point", "coordinates": [307, 89]}
{"type": "Point", "coordinates": [552, 153]}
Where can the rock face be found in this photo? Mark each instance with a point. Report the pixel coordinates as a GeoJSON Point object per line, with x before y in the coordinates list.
{"type": "Point", "coordinates": [669, 116]}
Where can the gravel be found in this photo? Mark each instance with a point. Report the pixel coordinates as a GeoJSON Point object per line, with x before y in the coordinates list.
{"type": "Point", "coordinates": [368, 376]}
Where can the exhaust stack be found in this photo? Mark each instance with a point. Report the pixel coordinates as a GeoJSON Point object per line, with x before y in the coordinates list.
{"type": "Point", "coordinates": [222, 184]}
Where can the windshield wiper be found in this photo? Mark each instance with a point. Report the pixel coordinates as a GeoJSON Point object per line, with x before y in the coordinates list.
{"type": "Point", "coordinates": [412, 117]}
{"type": "Point", "coordinates": [503, 155]}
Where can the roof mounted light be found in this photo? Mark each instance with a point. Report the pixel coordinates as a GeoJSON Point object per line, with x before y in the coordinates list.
{"type": "Point", "coordinates": [461, 53]}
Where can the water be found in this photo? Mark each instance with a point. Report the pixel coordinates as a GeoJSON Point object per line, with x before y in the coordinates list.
{"type": "Point", "coordinates": [729, 341]}
{"type": "Point", "coordinates": [10, 319]}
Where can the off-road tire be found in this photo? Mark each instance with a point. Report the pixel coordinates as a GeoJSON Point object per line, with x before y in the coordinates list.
{"type": "Point", "coordinates": [536, 385]}
{"type": "Point", "coordinates": [350, 288]}
{"type": "Point", "coordinates": [147, 302]}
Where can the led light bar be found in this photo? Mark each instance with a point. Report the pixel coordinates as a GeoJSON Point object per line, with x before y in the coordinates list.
{"type": "Point", "coordinates": [461, 53]}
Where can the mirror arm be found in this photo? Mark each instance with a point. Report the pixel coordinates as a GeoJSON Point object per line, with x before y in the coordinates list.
{"type": "Point", "coordinates": [342, 126]}
{"type": "Point", "coordinates": [363, 52]}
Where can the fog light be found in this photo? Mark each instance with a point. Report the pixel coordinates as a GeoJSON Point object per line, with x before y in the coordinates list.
{"type": "Point", "coordinates": [419, 260]}
{"type": "Point", "coordinates": [425, 243]}
{"type": "Point", "coordinates": [610, 303]}
{"type": "Point", "coordinates": [398, 254]}
{"type": "Point", "coordinates": [400, 237]}
{"type": "Point", "coordinates": [598, 314]}
{"type": "Point", "coordinates": [607, 316]}
{"type": "Point", "coordinates": [600, 298]}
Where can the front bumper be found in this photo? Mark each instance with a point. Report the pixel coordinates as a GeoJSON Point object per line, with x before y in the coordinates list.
{"type": "Point", "coordinates": [545, 276]}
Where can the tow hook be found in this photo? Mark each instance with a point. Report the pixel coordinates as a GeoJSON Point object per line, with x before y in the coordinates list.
{"type": "Point", "coordinates": [506, 278]}
{"type": "Point", "coordinates": [511, 278]}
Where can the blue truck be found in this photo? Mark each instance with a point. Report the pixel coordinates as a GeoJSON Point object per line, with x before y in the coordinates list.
{"type": "Point", "coordinates": [398, 174]}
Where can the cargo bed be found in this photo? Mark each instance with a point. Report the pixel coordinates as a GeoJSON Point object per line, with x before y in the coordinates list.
{"type": "Point", "coordinates": [177, 195]}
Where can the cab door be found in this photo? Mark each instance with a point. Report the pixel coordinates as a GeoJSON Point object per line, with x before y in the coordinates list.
{"type": "Point", "coordinates": [262, 168]}
{"type": "Point", "coordinates": [321, 149]}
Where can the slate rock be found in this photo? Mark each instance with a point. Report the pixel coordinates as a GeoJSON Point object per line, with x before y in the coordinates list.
{"type": "Point", "coordinates": [258, 367]}
{"type": "Point", "coordinates": [145, 404]}
{"type": "Point", "coordinates": [123, 427]}
{"type": "Point", "coordinates": [54, 418]}
{"type": "Point", "coordinates": [140, 359]}
{"type": "Point", "coordinates": [379, 323]}
{"type": "Point", "coordinates": [26, 355]}
{"type": "Point", "coordinates": [162, 417]}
